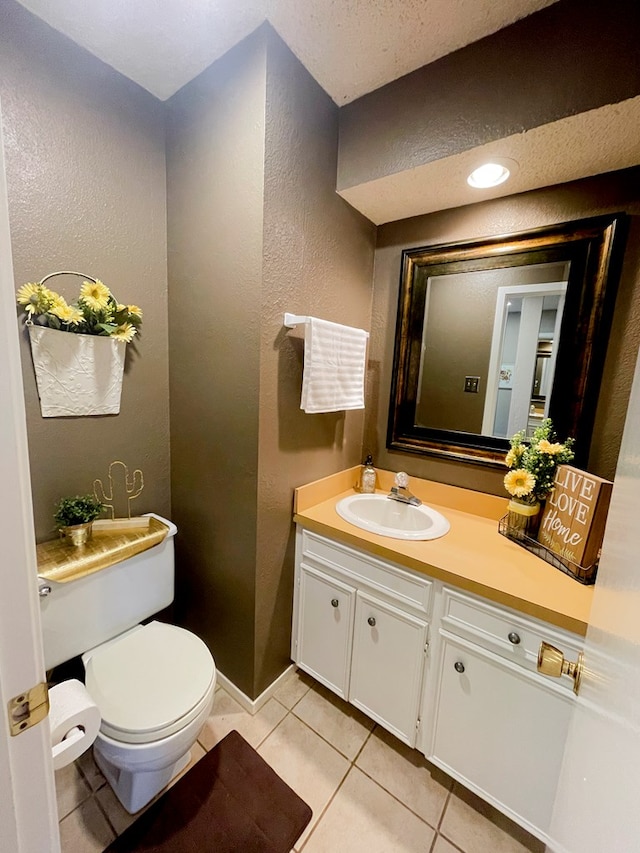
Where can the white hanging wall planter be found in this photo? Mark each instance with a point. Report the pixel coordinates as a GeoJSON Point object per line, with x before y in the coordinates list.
{"type": "Point", "coordinates": [77, 375]}
{"type": "Point", "coordinates": [78, 349]}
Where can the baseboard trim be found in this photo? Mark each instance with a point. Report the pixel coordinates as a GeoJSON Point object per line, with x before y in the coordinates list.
{"type": "Point", "coordinates": [254, 705]}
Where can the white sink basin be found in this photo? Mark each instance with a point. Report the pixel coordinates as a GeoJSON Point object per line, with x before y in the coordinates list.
{"type": "Point", "coordinates": [379, 514]}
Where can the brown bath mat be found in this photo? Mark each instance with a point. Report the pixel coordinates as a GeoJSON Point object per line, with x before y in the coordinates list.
{"type": "Point", "coordinates": [231, 801]}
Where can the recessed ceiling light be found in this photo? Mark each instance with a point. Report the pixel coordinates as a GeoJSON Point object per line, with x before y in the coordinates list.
{"type": "Point", "coordinates": [488, 175]}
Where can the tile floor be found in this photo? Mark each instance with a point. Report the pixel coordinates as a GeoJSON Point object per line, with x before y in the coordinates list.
{"type": "Point", "coordinates": [368, 792]}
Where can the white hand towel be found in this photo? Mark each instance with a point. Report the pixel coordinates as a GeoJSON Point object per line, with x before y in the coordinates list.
{"type": "Point", "coordinates": [334, 367]}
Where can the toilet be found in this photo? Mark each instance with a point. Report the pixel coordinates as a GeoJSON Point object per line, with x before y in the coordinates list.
{"type": "Point", "coordinates": [153, 683]}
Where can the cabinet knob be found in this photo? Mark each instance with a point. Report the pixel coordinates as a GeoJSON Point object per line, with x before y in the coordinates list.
{"type": "Point", "coordinates": [372, 621]}
{"type": "Point", "coordinates": [514, 638]}
{"type": "Point", "coordinates": [458, 666]}
{"type": "Point", "coordinates": [334, 602]}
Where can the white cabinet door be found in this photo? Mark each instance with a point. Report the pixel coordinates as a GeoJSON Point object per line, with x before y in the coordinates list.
{"type": "Point", "coordinates": [325, 628]}
{"type": "Point", "coordinates": [501, 731]}
{"type": "Point", "coordinates": [386, 670]}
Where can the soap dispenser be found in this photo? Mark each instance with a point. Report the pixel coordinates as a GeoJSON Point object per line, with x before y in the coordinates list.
{"type": "Point", "coordinates": [368, 477]}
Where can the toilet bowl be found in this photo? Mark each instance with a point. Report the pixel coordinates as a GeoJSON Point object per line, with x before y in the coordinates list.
{"type": "Point", "coordinates": [154, 688]}
{"type": "Point", "coordinates": [153, 683]}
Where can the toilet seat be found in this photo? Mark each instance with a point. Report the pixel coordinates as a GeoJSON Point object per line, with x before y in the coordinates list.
{"type": "Point", "coordinates": [150, 683]}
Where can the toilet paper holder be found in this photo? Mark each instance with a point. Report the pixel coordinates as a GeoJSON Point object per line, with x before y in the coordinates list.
{"type": "Point", "coordinates": [59, 749]}
{"type": "Point", "coordinates": [74, 721]}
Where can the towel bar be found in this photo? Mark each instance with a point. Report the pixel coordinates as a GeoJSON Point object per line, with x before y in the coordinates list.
{"type": "Point", "coordinates": [292, 320]}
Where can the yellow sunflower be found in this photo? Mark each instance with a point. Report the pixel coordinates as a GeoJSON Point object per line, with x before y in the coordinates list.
{"type": "Point", "coordinates": [26, 292]}
{"type": "Point", "coordinates": [36, 298]}
{"type": "Point", "coordinates": [519, 483]}
{"type": "Point", "coordinates": [545, 446]}
{"type": "Point", "coordinates": [95, 295]}
{"type": "Point", "coordinates": [69, 314]}
{"type": "Point", "coordinates": [124, 333]}
{"type": "Point", "coordinates": [58, 303]}
{"type": "Point", "coordinates": [513, 456]}
{"type": "Point", "coordinates": [133, 309]}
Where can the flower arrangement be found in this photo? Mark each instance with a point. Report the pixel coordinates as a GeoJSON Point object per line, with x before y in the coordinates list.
{"type": "Point", "coordinates": [78, 510]}
{"type": "Point", "coordinates": [95, 312]}
{"type": "Point", "coordinates": [533, 464]}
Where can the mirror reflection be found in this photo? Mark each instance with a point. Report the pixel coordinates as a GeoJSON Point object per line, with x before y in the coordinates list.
{"type": "Point", "coordinates": [492, 337]}
{"type": "Point", "coordinates": [489, 347]}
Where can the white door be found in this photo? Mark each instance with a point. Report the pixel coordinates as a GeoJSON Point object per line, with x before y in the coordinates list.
{"type": "Point", "coordinates": [523, 304]}
{"type": "Point", "coordinates": [597, 804]}
{"type": "Point", "coordinates": [28, 815]}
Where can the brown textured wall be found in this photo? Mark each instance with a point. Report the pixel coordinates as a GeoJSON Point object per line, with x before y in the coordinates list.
{"type": "Point", "coordinates": [215, 178]}
{"type": "Point", "coordinates": [457, 344]}
{"type": "Point", "coordinates": [318, 259]}
{"type": "Point", "coordinates": [618, 191]}
{"type": "Point", "coordinates": [85, 164]}
{"type": "Point", "coordinates": [572, 56]}
{"type": "Point", "coordinates": [255, 229]}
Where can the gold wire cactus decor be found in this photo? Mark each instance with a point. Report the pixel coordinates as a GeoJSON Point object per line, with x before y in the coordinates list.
{"type": "Point", "coordinates": [123, 488]}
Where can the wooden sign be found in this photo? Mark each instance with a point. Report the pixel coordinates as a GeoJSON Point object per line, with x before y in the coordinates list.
{"type": "Point", "coordinates": [572, 524]}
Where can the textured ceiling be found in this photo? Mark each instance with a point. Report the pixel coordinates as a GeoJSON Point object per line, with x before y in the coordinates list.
{"type": "Point", "coordinates": [578, 146]}
{"type": "Point", "coordinates": [351, 47]}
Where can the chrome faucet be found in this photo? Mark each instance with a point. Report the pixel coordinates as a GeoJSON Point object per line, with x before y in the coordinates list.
{"type": "Point", "coordinates": [401, 493]}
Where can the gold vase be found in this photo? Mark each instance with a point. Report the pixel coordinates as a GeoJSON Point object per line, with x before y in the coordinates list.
{"type": "Point", "coordinates": [77, 534]}
{"type": "Point", "coordinates": [523, 519]}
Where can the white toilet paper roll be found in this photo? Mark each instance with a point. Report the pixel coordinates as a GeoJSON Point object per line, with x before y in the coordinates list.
{"type": "Point", "coordinates": [74, 720]}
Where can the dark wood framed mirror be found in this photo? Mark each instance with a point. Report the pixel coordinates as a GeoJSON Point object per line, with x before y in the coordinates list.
{"type": "Point", "coordinates": [494, 335]}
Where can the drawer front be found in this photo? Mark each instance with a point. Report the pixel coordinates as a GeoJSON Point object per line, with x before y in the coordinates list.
{"type": "Point", "coordinates": [503, 631]}
{"type": "Point", "coordinates": [403, 587]}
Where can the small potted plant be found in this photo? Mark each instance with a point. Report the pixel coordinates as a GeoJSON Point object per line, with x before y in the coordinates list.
{"type": "Point", "coordinates": [75, 517]}
{"type": "Point", "coordinates": [533, 468]}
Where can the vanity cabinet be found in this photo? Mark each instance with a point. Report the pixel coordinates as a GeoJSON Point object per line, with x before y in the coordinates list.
{"type": "Point", "coordinates": [361, 629]}
{"type": "Point", "coordinates": [445, 671]}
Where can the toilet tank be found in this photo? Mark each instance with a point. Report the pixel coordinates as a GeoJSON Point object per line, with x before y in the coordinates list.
{"type": "Point", "coordinates": [80, 614]}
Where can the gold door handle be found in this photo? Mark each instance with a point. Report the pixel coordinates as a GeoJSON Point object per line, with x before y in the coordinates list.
{"type": "Point", "coordinates": [551, 661]}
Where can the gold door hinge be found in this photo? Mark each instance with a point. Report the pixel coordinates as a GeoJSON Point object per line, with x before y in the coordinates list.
{"type": "Point", "coordinates": [28, 709]}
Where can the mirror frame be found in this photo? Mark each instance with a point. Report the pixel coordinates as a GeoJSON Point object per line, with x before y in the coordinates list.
{"type": "Point", "coordinates": [594, 248]}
